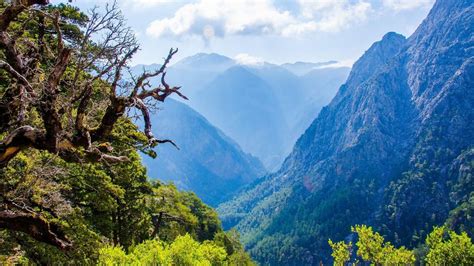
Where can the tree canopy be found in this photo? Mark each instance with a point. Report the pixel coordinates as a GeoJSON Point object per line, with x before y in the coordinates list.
{"type": "Point", "coordinates": [64, 92]}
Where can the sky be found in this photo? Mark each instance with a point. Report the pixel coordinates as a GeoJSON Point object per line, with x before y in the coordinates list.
{"type": "Point", "coordinates": [275, 31]}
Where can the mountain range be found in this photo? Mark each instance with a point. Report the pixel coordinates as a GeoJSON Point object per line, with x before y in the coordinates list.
{"type": "Point", "coordinates": [237, 117]}
{"type": "Point", "coordinates": [263, 107]}
{"type": "Point", "coordinates": [394, 149]}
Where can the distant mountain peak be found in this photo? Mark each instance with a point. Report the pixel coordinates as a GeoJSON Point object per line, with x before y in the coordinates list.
{"type": "Point", "coordinates": [213, 56]}
{"type": "Point", "coordinates": [199, 59]}
{"type": "Point", "coordinates": [378, 55]}
{"type": "Point", "coordinates": [205, 61]}
{"type": "Point", "coordinates": [393, 36]}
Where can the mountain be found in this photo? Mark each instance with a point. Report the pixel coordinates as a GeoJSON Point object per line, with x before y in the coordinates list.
{"type": "Point", "coordinates": [287, 88]}
{"type": "Point", "coordinates": [208, 162]}
{"type": "Point", "coordinates": [394, 149]}
{"type": "Point", "coordinates": [321, 84]}
{"type": "Point", "coordinates": [209, 62]}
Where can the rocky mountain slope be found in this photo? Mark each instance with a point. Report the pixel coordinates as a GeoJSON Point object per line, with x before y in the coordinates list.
{"type": "Point", "coordinates": [393, 149]}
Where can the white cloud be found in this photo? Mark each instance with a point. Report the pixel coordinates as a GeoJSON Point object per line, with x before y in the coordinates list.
{"type": "Point", "coordinates": [341, 14]}
{"type": "Point", "coordinates": [300, 28]}
{"type": "Point", "coordinates": [407, 4]}
{"type": "Point", "coordinates": [125, 5]}
{"type": "Point", "coordinates": [145, 3]}
{"type": "Point", "coordinates": [246, 59]}
{"type": "Point", "coordinates": [209, 18]}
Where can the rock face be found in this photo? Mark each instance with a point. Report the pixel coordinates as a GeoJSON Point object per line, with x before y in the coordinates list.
{"type": "Point", "coordinates": [208, 162]}
{"type": "Point", "coordinates": [394, 149]}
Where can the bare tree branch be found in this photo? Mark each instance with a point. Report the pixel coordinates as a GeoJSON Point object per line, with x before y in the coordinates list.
{"type": "Point", "coordinates": [35, 226]}
{"type": "Point", "coordinates": [21, 79]}
{"type": "Point", "coordinates": [105, 60]}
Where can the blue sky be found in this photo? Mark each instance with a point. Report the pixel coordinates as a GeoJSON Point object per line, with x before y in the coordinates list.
{"type": "Point", "coordinates": [270, 30]}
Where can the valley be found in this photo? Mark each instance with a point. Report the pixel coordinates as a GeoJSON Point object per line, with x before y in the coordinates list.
{"type": "Point", "coordinates": [323, 132]}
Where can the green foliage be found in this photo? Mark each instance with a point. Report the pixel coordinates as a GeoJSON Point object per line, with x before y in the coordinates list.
{"type": "Point", "coordinates": [446, 247]}
{"type": "Point", "coordinates": [230, 241]}
{"type": "Point", "coordinates": [370, 245]}
{"type": "Point", "coordinates": [184, 250]}
{"type": "Point", "coordinates": [341, 252]}
{"type": "Point", "coordinates": [240, 258]}
{"type": "Point", "coordinates": [372, 248]}
{"type": "Point", "coordinates": [181, 212]}
{"type": "Point", "coordinates": [443, 247]}
{"type": "Point", "coordinates": [113, 256]}
{"type": "Point", "coordinates": [100, 204]}
{"type": "Point", "coordinates": [40, 180]}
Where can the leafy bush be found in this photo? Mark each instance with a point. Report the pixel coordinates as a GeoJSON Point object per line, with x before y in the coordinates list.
{"type": "Point", "coordinates": [446, 247]}
{"type": "Point", "coordinates": [372, 248]}
{"type": "Point", "coordinates": [183, 251]}
{"type": "Point", "coordinates": [341, 252]}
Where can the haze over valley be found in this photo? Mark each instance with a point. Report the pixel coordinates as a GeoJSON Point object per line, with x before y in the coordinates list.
{"type": "Point", "coordinates": [264, 107]}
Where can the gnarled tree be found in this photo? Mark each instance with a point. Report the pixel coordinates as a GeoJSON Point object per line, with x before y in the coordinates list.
{"type": "Point", "coordinates": [68, 73]}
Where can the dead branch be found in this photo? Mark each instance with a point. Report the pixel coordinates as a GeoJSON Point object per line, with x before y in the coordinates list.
{"type": "Point", "coordinates": [35, 226]}
{"type": "Point", "coordinates": [20, 78]}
